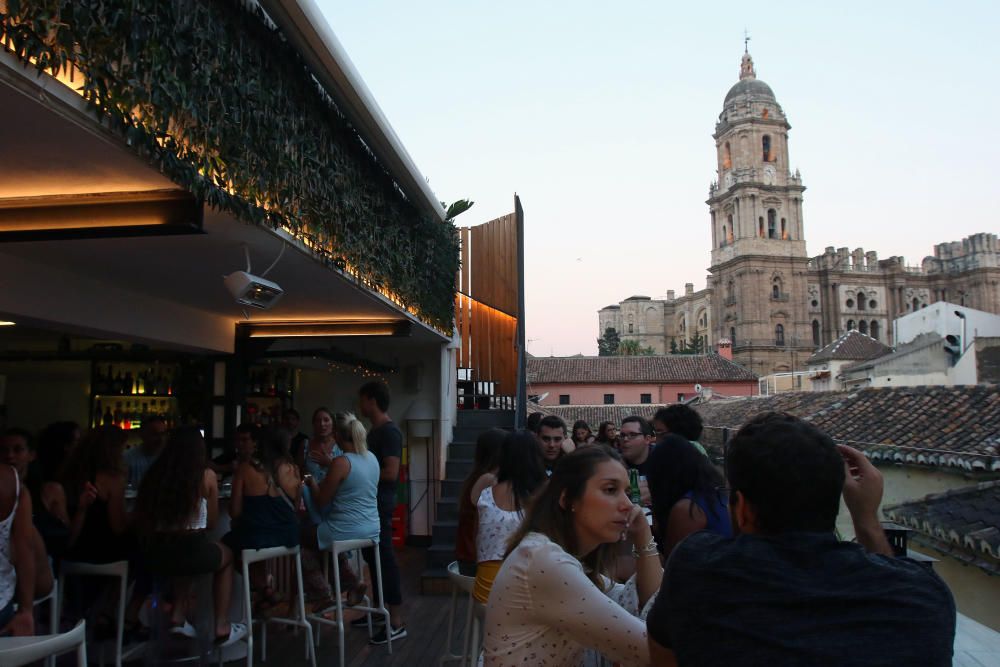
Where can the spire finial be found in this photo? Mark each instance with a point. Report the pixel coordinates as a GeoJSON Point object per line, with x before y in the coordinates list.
{"type": "Point", "coordinates": [746, 64]}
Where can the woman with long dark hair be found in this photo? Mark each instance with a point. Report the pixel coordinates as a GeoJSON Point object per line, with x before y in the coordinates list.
{"type": "Point", "coordinates": [501, 505]}
{"type": "Point", "coordinates": [484, 469]}
{"type": "Point", "coordinates": [687, 492]}
{"type": "Point", "coordinates": [263, 504]}
{"type": "Point", "coordinates": [581, 435]}
{"type": "Point", "coordinates": [94, 481]}
{"type": "Point", "coordinates": [178, 503]}
{"type": "Point", "coordinates": [607, 434]}
{"type": "Point", "coordinates": [553, 597]}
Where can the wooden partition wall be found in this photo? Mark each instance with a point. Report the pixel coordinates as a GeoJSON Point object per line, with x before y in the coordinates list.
{"type": "Point", "coordinates": [489, 301]}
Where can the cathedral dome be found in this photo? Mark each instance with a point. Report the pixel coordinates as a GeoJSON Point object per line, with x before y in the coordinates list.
{"type": "Point", "coordinates": [753, 88]}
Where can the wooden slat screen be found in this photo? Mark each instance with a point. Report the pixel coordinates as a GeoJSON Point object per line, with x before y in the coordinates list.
{"type": "Point", "coordinates": [487, 306]}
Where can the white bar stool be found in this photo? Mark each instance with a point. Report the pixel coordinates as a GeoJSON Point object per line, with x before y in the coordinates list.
{"type": "Point", "coordinates": [52, 599]}
{"type": "Point", "coordinates": [347, 547]}
{"type": "Point", "coordinates": [474, 643]}
{"type": "Point", "coordinates": [17, 651]}
{"type": "Point", "coordinates": [250, 556]}
{"type": "Point", "coordinates": [463, 583]}
{"type": "Point", "coordinates": [118, 570]}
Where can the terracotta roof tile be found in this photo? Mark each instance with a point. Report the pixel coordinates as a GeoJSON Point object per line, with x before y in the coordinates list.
{"type": "Point", "coordinates": [851, 346]}
{"type": "Point", "coordinates": [961, 521]}
{"type": "Point", "coordinates": [935, 426]}
{"type": "Point", "coordinates": [643, 369]}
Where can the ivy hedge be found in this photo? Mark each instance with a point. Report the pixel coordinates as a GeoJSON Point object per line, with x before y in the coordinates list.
{"type": "Point", "coordinates": [213, 96]}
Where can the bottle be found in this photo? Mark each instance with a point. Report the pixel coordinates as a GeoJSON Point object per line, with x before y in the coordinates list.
{"type": "Point", "coordinates": [98, 412]}
{"type": "Point", "coordinates": [108, 419]}
{"type": "Point", "coordinates": [140, 383]}
{"type": "Point", "coordinates": [127, 386]}
{"type": "Point", "coordinates": [633, 481]}
{"type": "Point", "coordinates": [116, 386]}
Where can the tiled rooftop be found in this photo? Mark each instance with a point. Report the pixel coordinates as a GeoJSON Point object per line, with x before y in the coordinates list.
{"type": "Point", "coordinates": [934, 426]}
{"type": "Point", "coordinates": [964, 523]}
{"type": "Point", "coordinates": [852, 346]}
{"type": "Point", "coordinates": [670, 368]}
{"type": "Point", "coordinates": [595, 414]}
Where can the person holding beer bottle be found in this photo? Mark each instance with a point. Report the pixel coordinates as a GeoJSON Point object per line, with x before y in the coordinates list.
{"type": "Point", "coordinates": [635, 441]}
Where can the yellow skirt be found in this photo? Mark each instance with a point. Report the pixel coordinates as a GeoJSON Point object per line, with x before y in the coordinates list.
{"type": "Point", "coordinates": [486, 572]}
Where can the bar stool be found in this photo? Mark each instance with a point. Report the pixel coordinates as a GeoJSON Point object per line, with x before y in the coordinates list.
{"type": "Point", "coordinates": [355, 547]}
{"type": "Point", "coordinates": [17, 651]}
{"type": "Point", "coordinates": [52, 599]}
{"type": "Point", "coordinates": [249, 556]}
{"type": "Point", "coordinates": [117, 570]}
{"type": "Point", "coordinates": [459, 582]}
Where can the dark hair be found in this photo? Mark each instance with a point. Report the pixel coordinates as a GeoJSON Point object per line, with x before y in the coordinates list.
{"type": "Point", "coordinates": [550, 513]}
{"type": "Point", "coordinates": [322, 409]}
{"type": "Point", "coordinates": [53, 444]}
{"type": "Point", "coordinates": [789, 470]}
{"type": "Point", "coordinates": [533, 422]}
{"type": "Point", "coordinates": [250, 429]}
{"type": "Point", "coordinates": [602, 433]}
{"type": "Point", "coordinates": [680, 419]}
{"type": "Point", "coordinates": [644, 425]}
{"type": "Point", "coordinates": [272, 450]}
{"type": "Point", "coordinates": [17, 432]}
{"type": "Point", "coordinates": [292, 412]}
{"type": "Point", "coordinates": [488, 447]}
{"type": "Point", "coordinates": [377, 390]}
{"type": "Point", "coordinates": [674, 468]}
{"type": "Point", "coordinates": [170, 489]}
{"type": "Point", "coordinates": [580, 423]}
{"type": "Point", "coordinates": [552, 421]}
{"type": "Point", "coordinates": [100, 450]}
{"type": "Point", "coordinates": [521, 464]}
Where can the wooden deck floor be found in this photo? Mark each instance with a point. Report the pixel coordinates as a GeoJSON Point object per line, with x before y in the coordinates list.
{"type": "Point", "coordinates": [426, 624]}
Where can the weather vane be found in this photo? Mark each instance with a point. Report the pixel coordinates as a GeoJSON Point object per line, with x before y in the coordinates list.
{"type": "Point", "coordinates": [746, 41]}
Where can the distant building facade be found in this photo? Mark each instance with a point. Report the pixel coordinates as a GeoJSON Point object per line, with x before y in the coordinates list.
{"type": "Point", "coordinates": [775, 303]}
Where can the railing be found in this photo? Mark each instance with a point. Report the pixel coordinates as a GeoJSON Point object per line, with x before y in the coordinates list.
{"type": "Point", "coordinates": [781, 296]}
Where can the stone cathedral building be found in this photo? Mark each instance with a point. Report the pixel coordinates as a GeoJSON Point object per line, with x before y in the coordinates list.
{"type": "Point", "coordinates": [765, 295]}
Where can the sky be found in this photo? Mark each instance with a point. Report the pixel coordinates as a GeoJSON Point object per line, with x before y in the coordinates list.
{"type": "Point", "coordinates": [600, 117]}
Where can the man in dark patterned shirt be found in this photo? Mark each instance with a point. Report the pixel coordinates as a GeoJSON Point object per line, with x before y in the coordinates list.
{"type": "Point", "coordinates": [785, 590]}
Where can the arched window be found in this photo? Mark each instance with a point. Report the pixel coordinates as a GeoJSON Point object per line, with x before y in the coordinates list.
{"type": "Point", "coordinates": [916, 304]}
{"type": "Point", "coordinates": [861, 300]}
{"type": "Point", "coordinates": [850, 325]}
{"type": "Point", "coordinates": [779, 334]}
{"type": "Point", "coordinates": [731, 291]}
{"type": "Point", "coordinates": [630, 327]}
{"type": "Point", "coordinates": [727, 156]}
{"type": "Point", "coordinates": [760, 226]}
{"type": "Point", "coordinates": [873, 331]}
{"type": "Point", "coordinates": [816, 332]}
{"type": "Point", "coordinates": [766, 146]}
{"type": "Point", "coordinates": [863, 327]}
{"type": "Point", "coordinates": [775, 291]}
{"type": "Point", "coordinates": [772, 223]}
{"type": "Point", "coordinates": [784, 230]}
{"type": "Point", "coordinates": [722, 242]}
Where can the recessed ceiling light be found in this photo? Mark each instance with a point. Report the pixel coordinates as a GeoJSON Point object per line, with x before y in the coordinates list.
{"type": "Point", "coordinates": [4, 323]}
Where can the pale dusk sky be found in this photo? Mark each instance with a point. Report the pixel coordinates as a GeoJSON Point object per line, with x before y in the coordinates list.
{"type": "Point", "coordinates": [600, 116]}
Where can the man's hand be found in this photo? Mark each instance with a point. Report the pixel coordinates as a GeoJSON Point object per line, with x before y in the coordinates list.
{"type": "Point", "coordinates": [862, 484]}
{"type": "Point", "coordinates": [863, 488]}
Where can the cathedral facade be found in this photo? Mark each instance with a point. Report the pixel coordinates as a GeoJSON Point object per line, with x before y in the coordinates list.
{"type": "Point", "coordinates": [765, 295]}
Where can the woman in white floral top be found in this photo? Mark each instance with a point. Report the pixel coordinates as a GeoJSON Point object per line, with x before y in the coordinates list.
{"type": "Point", "coordinates": [552, 598]}
{"type": "Point", "coordinates": [500, 501]}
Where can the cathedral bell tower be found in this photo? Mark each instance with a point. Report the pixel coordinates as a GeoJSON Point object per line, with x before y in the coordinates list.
{"type": "Point", "coordinates": [758, 245]}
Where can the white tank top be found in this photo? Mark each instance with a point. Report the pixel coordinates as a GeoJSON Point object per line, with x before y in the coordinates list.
{"type": "Point", "coordinates": [495, 527]}
{"type": "Point", "coordinates": [8, 577]}
{"type": "Point", "coordinates": [199, 520]}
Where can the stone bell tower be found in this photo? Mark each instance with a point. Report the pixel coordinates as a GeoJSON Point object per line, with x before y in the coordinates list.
{"type": "Point", "coordinates": [759, 260]}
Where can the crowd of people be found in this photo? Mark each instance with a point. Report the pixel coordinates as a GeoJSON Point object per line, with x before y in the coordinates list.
{"type": "Point", "coordinates": [632, 547]}
{"type": "Point", "coordinates": [82, 497]}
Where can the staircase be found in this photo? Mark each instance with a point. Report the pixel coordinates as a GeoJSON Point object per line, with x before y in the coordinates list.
{"type": "Point", "coordinates": [461, 454]}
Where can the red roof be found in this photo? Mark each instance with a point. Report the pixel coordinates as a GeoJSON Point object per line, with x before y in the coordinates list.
{"type": "Point", "coordinates": [664, 369]}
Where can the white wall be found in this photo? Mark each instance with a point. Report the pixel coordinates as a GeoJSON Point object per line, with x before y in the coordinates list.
{"type": "Point", "coordinates": [940, 318]}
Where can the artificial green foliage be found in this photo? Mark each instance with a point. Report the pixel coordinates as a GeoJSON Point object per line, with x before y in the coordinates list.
{"type": "Point", "coordinates": [209, 93]}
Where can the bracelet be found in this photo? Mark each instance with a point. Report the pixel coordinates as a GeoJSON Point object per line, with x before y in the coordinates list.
{"type": "Point", "coordinates": [648, 550]}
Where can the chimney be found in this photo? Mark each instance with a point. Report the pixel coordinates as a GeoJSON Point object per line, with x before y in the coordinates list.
{"type": "Point", "coordinates": [725, 348]}
{"type": "Point", "coordinates": [688, 288]}
{"type": "Point", "coordinates": [670, 295]}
